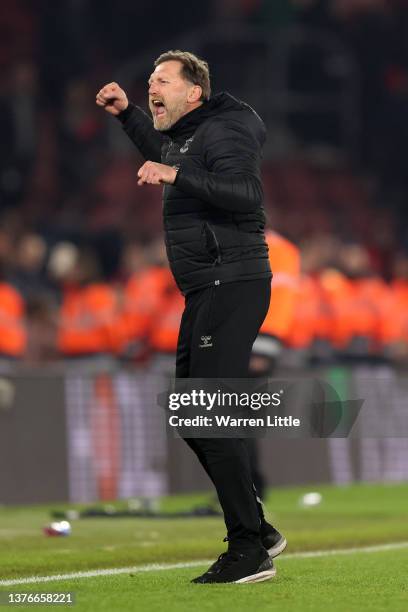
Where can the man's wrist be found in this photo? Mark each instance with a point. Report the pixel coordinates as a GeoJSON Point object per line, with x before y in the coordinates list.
{"type": "Point", "coordinates": [124, 115]}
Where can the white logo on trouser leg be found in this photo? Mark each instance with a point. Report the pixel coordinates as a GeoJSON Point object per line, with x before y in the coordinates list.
{"type": "Point", "coordinates": [206, 342]}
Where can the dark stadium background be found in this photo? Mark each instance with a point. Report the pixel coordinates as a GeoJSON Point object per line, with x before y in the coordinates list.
{"type": "Point", "coordinates": [330, 79]}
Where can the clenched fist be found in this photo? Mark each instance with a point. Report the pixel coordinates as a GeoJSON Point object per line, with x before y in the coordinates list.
{"type": "Point", "coordinates": [156, 174]}
{"type": "Point", "coordinates": [112, 98]}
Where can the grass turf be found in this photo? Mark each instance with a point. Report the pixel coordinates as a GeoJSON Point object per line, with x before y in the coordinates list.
{"type": "Point", "coordinates": [347, 517]}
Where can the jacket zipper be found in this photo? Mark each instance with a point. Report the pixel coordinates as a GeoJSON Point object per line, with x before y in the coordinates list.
{"type": "Point", "coordinates": [217, 261]}
{"type": "Point", "coordinates": [169, 148]}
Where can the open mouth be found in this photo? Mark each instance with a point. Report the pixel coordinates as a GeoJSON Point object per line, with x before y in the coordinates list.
{"type": "Point", "coordinates": [158, 107]}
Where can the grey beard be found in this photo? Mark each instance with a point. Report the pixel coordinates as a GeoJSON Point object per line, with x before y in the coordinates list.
{"type": "Point", "coordinates": [171, 120]}
{"type": "Point", "coordinates": [164, 126]}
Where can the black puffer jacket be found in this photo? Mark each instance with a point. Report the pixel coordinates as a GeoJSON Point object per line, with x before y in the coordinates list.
{"type": "Point", "coordinates": [213, 214]}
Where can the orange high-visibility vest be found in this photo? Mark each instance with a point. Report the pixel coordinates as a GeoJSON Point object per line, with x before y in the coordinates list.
{"type": "Point", "coordinates": [164, 333]}
{"type": "Point", "coordinates": [334, 322]}
{"type": "Point", "coordinates": [86, 317]}
{"type": "Point", "coordinates": [142, 298]}
{"type": "Point", "coordinates": [354, 307]}
{"type": "Point", "coordinates": [284, 258]}
{"type": "Point", "coordinates": [305, 323]}
{"type": "Point", "coordinates": [13, 334]}
{"type": "Point", "coordinates": [373, 301]}
{"type": "Point", "coordinates": [394, 319]}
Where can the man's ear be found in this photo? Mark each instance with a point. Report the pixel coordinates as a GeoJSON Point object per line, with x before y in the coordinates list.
{"type": "Point", "coordinates": [195, 94]}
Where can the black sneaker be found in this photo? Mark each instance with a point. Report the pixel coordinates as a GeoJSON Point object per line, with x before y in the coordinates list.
{"type": "Point", "coordinates": [272, 540]}
{"type": "Point", "coordinates": [239, 567]}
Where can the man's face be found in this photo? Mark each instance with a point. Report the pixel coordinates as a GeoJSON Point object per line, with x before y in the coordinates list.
{"type": "Point", "coordinates": [169, 95]}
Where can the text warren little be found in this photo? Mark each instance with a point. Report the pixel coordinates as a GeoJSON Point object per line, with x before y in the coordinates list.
{"type": "Point", "coordinates": [229, 421]}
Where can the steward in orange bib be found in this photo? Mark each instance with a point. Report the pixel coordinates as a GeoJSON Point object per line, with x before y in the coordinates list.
{"type": "Point", "coordinates": [164, 333]}
{"type": "Point", "coordinates": [284, 258]}
{"type": "Point", "coordinates": [13, 335]}
{"type": "Point", "coordinates": [142, 304]}
{"type": "Point", "coordinates": [88, 310]}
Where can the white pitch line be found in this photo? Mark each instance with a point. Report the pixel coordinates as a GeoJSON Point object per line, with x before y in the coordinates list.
{"type": "Point", "coordinates": [153, 567]}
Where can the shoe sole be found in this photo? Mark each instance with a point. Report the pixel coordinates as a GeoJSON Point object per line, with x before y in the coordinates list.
{"type": "Point", "coordinates": [279, 547]}
{"type": "Point", "coordinates": [259, 577]}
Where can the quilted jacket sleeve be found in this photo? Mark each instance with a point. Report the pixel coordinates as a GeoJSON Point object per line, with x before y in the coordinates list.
{"type": "Point", "coordinates": [231, 180]}
{"type": "Point", "coordinates": [139, 127]}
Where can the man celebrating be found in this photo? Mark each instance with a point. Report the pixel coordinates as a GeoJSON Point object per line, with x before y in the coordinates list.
{"type": "Point", "coordinates": [206, 152]}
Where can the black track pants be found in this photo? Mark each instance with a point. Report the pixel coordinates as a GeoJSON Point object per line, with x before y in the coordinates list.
{"type": "Point", "coordinates": [218, 328]}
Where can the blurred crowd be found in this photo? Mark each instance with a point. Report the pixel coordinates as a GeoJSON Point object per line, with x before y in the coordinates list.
{"type": "Point", "coordinates": [81, 259]}
{"type": "Point", "coordinates": [58, 304]}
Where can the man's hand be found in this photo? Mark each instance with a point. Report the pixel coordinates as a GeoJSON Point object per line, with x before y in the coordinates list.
{"type": "Point", "coordinates": [156, 174]}
{"type": "Point", "coordinates": [112, 98]}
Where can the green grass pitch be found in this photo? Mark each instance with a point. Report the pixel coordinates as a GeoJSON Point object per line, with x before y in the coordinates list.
{"type": "Point", "coordinates": [348, 517]}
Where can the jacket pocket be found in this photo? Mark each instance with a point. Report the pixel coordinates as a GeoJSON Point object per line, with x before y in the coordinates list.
{"type": "Point", "coordinates": [211, 244]}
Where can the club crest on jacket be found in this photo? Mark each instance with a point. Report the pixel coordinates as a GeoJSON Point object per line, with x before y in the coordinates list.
{"type": "Point", "coordinates": [185, 146]}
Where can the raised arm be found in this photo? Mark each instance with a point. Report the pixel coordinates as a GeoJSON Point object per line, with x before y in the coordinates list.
{"type": "Point", "coordinates": [136, 123]}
